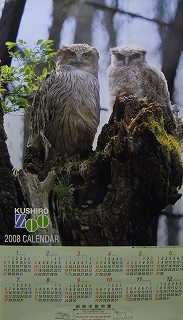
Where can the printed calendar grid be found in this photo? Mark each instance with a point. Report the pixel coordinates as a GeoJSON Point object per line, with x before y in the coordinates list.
{"type": "Point", "coordinates": [108, 278]}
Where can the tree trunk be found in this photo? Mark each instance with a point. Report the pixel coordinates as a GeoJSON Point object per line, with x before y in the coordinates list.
{"type": "Point", "coordinates": [9, 25]}
{"type": "Point", "coordinates": [116, 195]}
{"type": "Point", "coordinates": [37, 194]}
{"type": "Point", "coordinates": [84, 17]}
{"type": "Point", "coordinates": [10, 192]}
{"type": "Point", "coordinates": [172, 45]}
{"type": "Point", "coordinates": [108, 18]}
{"type": "Point", "coordinates": [60, 13]}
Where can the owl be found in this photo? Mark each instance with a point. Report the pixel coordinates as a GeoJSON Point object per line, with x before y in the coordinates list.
{"type": "Point", "coordinates": [66, 107]}
{"type": "Point", "coordinates": [130, 74]}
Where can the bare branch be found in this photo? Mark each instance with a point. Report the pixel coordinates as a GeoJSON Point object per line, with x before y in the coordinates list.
{"type": "Point", "coordinates": [117, 10]}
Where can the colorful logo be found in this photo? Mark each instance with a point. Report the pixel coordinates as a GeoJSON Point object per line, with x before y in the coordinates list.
{"type": "Point", "coordinates": [31, 225]}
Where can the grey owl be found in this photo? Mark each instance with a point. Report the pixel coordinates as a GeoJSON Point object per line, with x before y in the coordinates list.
{"type": "Point", "coordinates": [130, 74]}
{"type": "Point", "coordinates": [66, 107]}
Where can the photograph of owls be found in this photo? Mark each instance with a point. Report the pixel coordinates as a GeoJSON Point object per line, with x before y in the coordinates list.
{"type": "Point", "coordinates": [66, 107]}
{"type": "Point", "coordinates": [130, 74]}
{"type": "Point", "coordinates": [109, 171]}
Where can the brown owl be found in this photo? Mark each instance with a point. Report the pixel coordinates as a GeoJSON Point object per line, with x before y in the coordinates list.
{"type": "Point", "coordinates": [130, 74]}
{"type": "Point", "coordinates": [66, 107]}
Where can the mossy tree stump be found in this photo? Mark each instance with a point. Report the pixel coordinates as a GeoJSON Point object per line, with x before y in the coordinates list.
{"type": "Point", "coordinates": [115, 196]}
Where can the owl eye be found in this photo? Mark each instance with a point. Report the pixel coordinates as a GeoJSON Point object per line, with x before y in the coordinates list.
{"type": "Point", "coordinates": [86, 55]}
{"type": "Point", "coordinates": [120, 56]}
{"type": "Point", "coordinates": [134, 56]}
{"type": "Point", "coordinates": [72, 54]}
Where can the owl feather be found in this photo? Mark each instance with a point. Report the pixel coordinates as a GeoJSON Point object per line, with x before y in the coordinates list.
{"type": "Point", "coordinates": [130, 74]}
{"type": "Point", "coordinates": [66, 106]}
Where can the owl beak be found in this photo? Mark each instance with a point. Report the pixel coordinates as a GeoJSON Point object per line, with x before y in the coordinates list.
{"type": "Point", "coordinates": [126, 61]}
{"type": "Point", "coordinates": [78, 59]}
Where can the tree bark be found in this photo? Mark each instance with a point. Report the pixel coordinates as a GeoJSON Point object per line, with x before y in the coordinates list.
{"type": "Point", "coordinates": [9, 25]}
{"type": "Point", "coordinates": [37, 194]}
{"type": "Point", "coordinates": [117, 194]}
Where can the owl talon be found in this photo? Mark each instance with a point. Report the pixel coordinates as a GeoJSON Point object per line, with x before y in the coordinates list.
{"type": "Point", "coordinates": [15, 172]}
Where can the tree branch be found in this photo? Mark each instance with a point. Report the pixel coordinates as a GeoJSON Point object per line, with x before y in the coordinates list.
{"type": "Point", "coordinates": [37, 193]}
{"type": "Point", "coordinates": [133, 15]}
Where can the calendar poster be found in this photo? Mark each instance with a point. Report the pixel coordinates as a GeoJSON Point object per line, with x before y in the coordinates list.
{"type": "Point", "coordinates": [109, 283]}
{"type": "Point", "coordinates": [91, 132]}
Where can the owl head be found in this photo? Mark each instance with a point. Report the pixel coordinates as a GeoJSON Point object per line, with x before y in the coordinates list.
{"type": "Point", "coordinates": [79, 56]}
{"type": "Point", "coordinates": [125, 56]}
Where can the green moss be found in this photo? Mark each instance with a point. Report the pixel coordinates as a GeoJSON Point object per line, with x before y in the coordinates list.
{"type": "Point", "coordinates": [65, 196]}
{"type": "Point", "coordinates": [63, 191]}
{"type": "Point", "coordinates": [168, 142]}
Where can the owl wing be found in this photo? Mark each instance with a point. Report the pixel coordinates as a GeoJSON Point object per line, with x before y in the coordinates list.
{"type": "Point", "coordinates": [95, 89]}
{"type": "Point", "coordinates": [42, 112]}
{"type": "Point", "coordinates": [159, 85]}
{"type": "Point", "coordinates": [159, 93]}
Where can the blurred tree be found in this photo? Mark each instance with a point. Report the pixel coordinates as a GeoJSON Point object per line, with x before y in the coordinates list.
{"type": "Point", "coordinates": [60, 12]}
{"type": "Point", "coordinates": [172, 43]}
{"type": "Point", "coordinates": [109, 23]}
{"type": "Point", "coordinates": [9, 25]}
{"type": "Point", "coordinates": [83, 11]}
{"type": "Point", "coordinates": [84, 18]}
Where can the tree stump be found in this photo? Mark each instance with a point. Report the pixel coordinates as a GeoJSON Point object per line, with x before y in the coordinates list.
{"type": "Point", "coordinates": [115, 196]}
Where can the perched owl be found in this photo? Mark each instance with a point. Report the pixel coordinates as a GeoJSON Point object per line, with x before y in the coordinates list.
{"type": "Point", "coordinates": [130, 74]}
{"type": "Point", "coordinates": [66, 107]}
